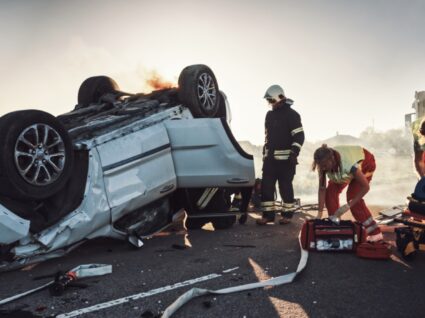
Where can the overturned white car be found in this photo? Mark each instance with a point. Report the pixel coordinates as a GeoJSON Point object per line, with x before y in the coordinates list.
{"type": "Point", "coordinates": [119, 165]}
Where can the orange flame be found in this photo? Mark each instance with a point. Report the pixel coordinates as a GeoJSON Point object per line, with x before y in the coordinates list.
{"type": "Point", "coordinates": [156, 82]}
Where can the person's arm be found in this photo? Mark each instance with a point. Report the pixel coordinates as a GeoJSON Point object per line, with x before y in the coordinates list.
{"type": "Point", "coordinates": [419, 163]}
{"type": "Point", "coordinates": [297, 134]}
{"type": "Point", "coordinates": [322, 194]}
{"type": "Point", "coordinates": [266, 138]}
{"type": "Point", "coordinates": [364, 187]}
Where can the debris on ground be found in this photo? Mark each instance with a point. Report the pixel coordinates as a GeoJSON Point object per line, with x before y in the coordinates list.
{"type": "Point", "coordinates": [58, 285]}
{"type": "Point", "coordinates": [388, 215]}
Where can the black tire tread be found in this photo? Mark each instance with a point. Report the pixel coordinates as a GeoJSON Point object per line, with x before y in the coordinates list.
{"type": "Point", "coordinates": [11, 183]}
{"type": "Point", "coordinates": [188, 89]}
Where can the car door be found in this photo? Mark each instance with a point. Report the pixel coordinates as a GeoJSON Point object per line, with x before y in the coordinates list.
{"type": "Point", "coordinates": [206, 154]}
{"type": "Point", "coordinates": [138, 169]}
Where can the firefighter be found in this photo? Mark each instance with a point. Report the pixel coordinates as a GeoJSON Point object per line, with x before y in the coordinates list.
{"type": "Point", "coordinates": [418, 131]}
{"type": "Point", "coordinates": [284, 139]}
{"type": "Point", "coordinates": [346, 165]}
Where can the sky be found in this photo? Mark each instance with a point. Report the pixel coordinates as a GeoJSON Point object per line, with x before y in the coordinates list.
{"type": "Point", "coordinates": [348, 65]}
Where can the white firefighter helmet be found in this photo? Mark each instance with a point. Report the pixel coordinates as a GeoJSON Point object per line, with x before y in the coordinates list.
{"type": "Point", "coordinates": [275, 92]}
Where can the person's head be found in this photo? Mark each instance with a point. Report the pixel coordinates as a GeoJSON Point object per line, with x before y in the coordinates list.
{"type": "Point", "coordinates": [274, 94]}
{"type": "Point", "coordinates": [324, 158]}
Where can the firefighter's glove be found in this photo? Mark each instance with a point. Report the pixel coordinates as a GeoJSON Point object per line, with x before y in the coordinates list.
{"type": "Point", "coordinates": [293, 158]}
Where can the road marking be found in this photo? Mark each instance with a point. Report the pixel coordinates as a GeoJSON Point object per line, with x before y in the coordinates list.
{"type": "Point", "coordinates": [149, 293]}
{"type": "Point", "coordinates": [230, 269]}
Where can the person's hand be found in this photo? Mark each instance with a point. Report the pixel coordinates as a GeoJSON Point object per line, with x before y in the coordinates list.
{"type": "Point", "coordinates": [319, 215]}
{"type": "Point", "coordinates": [293, 158]}
{"type": "Point", "coordinates": [335, 218]}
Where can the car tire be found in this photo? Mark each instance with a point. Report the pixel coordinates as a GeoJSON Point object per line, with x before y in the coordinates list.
{"type": "Point", "coordinates": [198, 89]}
{"type": "Point", "coordinates": [36, 159]}
{"type": "Point", "coordinates": [93, 88]}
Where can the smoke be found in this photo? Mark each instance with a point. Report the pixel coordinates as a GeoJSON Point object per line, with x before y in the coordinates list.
{"type": "Point", "coordinates": [155, 81]}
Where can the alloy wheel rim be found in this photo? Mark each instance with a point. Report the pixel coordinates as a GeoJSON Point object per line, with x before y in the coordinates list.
{"type": "Point", "coordinates": [40, 154]}
{"type": "Point", "coordinates": [207, 91]}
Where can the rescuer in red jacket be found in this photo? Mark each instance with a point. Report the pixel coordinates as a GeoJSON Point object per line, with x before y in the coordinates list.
{"type": "Point", "coordinates": [351, 166]}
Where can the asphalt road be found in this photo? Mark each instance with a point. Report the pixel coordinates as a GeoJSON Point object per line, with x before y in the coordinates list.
{"type": "Point", "coordinates": [332, 285]}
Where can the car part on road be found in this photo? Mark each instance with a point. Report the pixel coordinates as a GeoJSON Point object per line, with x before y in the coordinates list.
{"type": "Point", "coordinates": [81, 271]}
{"type": "Point", "coordinates": [37, 157]}
{"type": "Point", "coordinates": [64, 281]}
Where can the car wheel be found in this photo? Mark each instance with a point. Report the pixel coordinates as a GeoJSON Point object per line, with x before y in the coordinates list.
{"type": "Point", "coordinates": [198, 89]}
{"type": "Point", "coordinates": [93, 88]}
{"type": "Point", "coordinates": [36, 157]}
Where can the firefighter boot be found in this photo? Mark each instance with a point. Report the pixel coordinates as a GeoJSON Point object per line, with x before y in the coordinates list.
{"type": "Point", "coordinates": [268, 217]}
{"type": "Point", "coordinates": [287, 213]}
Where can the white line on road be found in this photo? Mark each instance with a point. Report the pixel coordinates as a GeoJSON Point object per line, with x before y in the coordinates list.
{"type": "Point", "coordinates": [230, 270]}
{"type": "Point", "coordinates": [140, 295]}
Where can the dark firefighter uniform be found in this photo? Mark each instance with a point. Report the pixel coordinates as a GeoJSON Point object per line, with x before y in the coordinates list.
{"type": "Point", "coordinates": [284, 139]}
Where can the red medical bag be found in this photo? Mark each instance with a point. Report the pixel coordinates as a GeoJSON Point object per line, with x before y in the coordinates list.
{"type": "Point", "coordinates": [377, 250]}
{"type": "Point", "coordinates": [324, 235]}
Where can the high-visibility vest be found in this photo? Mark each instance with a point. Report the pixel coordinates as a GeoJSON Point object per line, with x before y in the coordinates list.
{"type": "Point", "coordinates": [417, 136]}
{"type": "Point", "coordinates": [350, 156]}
